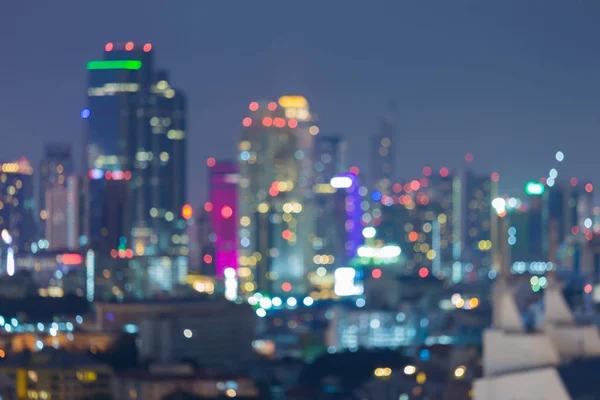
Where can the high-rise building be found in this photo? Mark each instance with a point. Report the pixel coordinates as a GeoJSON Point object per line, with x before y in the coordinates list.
{"type": "Point", "coordinates": [17, 203]}
{"type": "Point", "coordinates": [275, 202]}
{"type": "Point", "coordinates": [330, 234]}
{"type": "Point", "coordinates": [56, 165]}
{"type": "Point", "coordinates": [224, 179]}
{"type": "Point", "coordinates": [471, 225]}
{"type": "Point", "coordinates": [135, 129]}
{"type": "Point", "coordinates": [56, 222]}
{"type": "Point", "coordinates": [383, 152]}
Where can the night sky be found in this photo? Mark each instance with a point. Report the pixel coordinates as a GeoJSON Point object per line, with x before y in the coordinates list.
{"type": "Point", "coordinates": [510, 81]}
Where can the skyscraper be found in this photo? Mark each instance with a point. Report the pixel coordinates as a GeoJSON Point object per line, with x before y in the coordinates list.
{"type": "Point", "coordinates": [224, 180]}
{"type": "Point", "coordinates": [471, 225]}
{"type": "Point", "coordinates": [383, 152]}
{"type": "Point", "coordinates": [135, 129]}
{"type": "Point", "coordinates": [17, 203]}
{"type": "Point", "coordinates": [275, 197]}
{"type": "Point", "coordinates": [56, 165]}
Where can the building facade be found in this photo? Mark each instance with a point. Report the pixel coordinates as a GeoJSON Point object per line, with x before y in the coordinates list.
{"type": "Point", "coordinates": [276, 150]}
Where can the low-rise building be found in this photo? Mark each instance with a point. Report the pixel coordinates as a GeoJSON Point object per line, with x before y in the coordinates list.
{"type": "Point", "coordinates": [56, 374]}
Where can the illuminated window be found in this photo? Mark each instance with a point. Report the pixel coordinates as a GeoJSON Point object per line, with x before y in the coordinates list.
{"type": "Point", "coordinates": [86, 376]}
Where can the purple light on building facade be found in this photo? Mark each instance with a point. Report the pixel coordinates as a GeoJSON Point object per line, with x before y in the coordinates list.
{"type": "Point", "coordinates": [352, 201]}
{"type": "Point", "coordinates": [224, 216]}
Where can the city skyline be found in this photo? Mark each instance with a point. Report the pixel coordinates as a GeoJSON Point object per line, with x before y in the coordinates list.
{"type": "Point", "coordinates": [456, 93]}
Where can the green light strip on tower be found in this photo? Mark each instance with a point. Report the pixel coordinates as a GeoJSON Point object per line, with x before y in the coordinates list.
{"type": "Point", "coordinates": [115, 64]}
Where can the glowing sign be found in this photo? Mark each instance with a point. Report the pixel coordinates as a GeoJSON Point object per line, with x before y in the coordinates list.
{"type": "Point", "coordinates": [293, 102]}
{"type": "Point", "coordinates": [534, 189]}
{"type": "Point", "coordinates": [90, 271]}
{"type": "Point", "coordinates": [6, 238]}
{"type": "Point", "coordinates": [341, 182]}
{"type": "Point", "coordinates": [71, 259]}
{"type": "Point", "coordinates": [114, 64]}
{"type": "Point", "coordinates": [379, 252]}
{"type": "Point", "coordinates": [345, 284]}
{"type": "Point", "coordinates": [10, 262]}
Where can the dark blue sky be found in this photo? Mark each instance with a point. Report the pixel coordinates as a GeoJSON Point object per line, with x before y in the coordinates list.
{"type": "Point", "coordinates": [510, 81]}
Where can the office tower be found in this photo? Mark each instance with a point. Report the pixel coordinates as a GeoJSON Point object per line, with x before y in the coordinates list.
{"type": "Point", "coordinates": [135, 129]}
{"type": "Point", "coordinates": [55, 166]}
{"type": "Point", "coordinates": [17, 203]}
{"type": "Point", "coordinates": [330, 236]}
{"type": "Point", "coordinates": [275, 197]}
{"type": "Point", "coordinates": [471, 225]}
{"type": "Point", "coordinates": [224, 179]}
{"type": "Point", "coordinates": [383, 152]}
{"type": "Point", "coordinates": [56, 222]}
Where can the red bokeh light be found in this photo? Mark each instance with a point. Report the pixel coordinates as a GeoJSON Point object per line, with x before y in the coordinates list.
{"type": "Point", "coordinates": [575, 230]}
{"type": "Point", "coordinates": [587, 288]}
{"type": "Point", "coordinates": [272, 106]}
{"type": "Point", "coordinates": [267, 121]}
{"type": "Point", "coordinates": [543, 180]}
{"type": "Point", "coordinates": [108, 175]}
{"type": "Point", "coordinates": [279, 122]}
{"type": "Point", "coordinates": [247, 121]}
{"type": "Point", "coordinates": [129, 253]}
{"type": "Point", "coordinates": [397, 188]}
{"type": "Point", "coordinates": [427, 171]}
{"type": "Point", "coordinates": [226, 212]}
{"type": "Point", "coordinates": [211, 162]}
{"type": "Point", "coordinates": [495, 177]}
{"type": "Point", "coordinates": [415, 185]}
{"type": "Point", "coordinates": [292, 123]}
{"type": "Point", "coordinates": [469, 157]}
{"type": "Point", "coordinates": [114, 253]}
{"type": "Point", "coordinates": [187, 211]}
{"type": "Point", "coordinates": [129, 46]}
{"type": "Point", "coordinates": [573, 181]}
{"type": "Point", "coordinates": [253, 106]}
{"type": "Point", "coordinates": [424, 182]}
{"type": "Point", "coordinates": [287, 234]}
{"type": "Point", "coordinates": [127, 175]}
{"type": "Point", "coordinates": [413, 236]}
{"type": "Point", "coordinates": [208, 258]}
{"type": "Point", "coordinates": [108, 47]}
{"type": "Point", "coordinates": [208, 207]}
{"type": "Point", "coordinates": [589, 187]}
{"type": "Point", "coordinates": [444, 172]}
{"type": "Point", "coordinates": [273, 191]}
{"type": "Point", "coordinates": [423, 272]}
{"type": "Point", "coordinates": [354, 170]}
{"type": "Point", "coordinates": [286, 286]}
{"type": "Point", "coordinates": [147, 47]}
{"type": "Point", "coordinates": [376, 273]}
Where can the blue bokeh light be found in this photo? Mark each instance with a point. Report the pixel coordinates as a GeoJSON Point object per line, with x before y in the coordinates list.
{"type": "Point", "coordinates": [85, 113]}
{"type": "Point", "coordinates": [376, 195]}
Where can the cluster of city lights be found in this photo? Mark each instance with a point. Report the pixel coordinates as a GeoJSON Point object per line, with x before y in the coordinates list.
{"type": "Point", "coordinates": [98, 173]}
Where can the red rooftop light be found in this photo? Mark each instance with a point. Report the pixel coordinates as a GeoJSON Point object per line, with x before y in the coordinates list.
{"type": "Point", "coordinates": [253, 106]}
{"type": "Point", "coordinates": [147, 47]}
{"type": "Point", "coordinates": [108, 47]}
{"type": "Point", "coordinates": [129, 46]}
